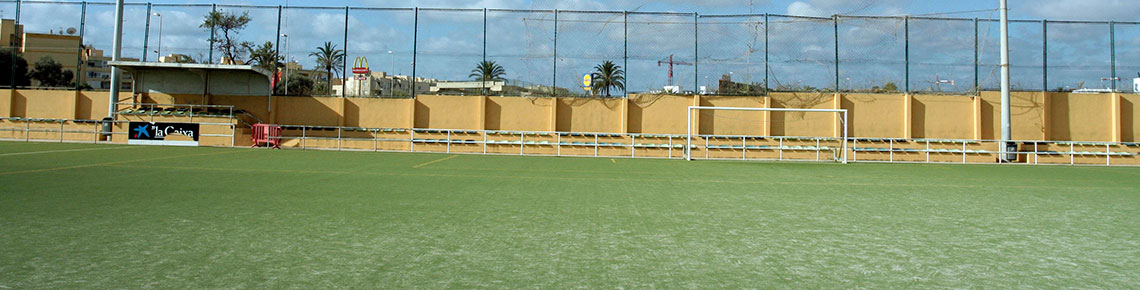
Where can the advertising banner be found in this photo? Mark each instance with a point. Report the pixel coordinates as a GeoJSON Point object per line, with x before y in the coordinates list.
{"type": "Point", "coordinates": [176, 134]}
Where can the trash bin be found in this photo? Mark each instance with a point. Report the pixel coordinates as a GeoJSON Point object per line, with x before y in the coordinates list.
{"type": "Point", "coordinates": [108, 123]}
{"type": "Point", "coordinates": [1011, 150]}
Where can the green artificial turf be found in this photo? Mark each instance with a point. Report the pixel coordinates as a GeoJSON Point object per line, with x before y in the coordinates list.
{"type": "Point", "coordinates": [117, 216]}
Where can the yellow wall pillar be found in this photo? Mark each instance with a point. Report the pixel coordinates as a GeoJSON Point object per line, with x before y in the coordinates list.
{"type": "Point", "coordinates": [767, 116]}
{"type": "Point", "coordinates": [696, 118]}
{"type": "Point", "coordinates": [6, 102]}
{"type": "Point", "coordinates": [340, 111]}
{"type": "Point", "coordinates": [837, 103]}
{"type": "Point", "coordinates": [411, 113]}
{"type": "Point", "coordinates": [1114, 107]}
{"type": "Point", "coordinates": [74, 105]}
{"type": "Point", "coordinates": [908, 113]}
{"type": "Point", "coordinates": [1046, 119]}
{"type": "Point", "coordinates": [483, 113]}
{"type": "Point", "coordinates": [977, 102]}
{"type": "Point", "coordinates": [553, 114]}
{"type": "Point", "coordinates": [624, 116]}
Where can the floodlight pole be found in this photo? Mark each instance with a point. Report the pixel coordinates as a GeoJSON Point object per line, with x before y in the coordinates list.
{"type": "Point", "coordinates": [116, 55]}
{"type": "Point", "coordinates": [1005, 90]}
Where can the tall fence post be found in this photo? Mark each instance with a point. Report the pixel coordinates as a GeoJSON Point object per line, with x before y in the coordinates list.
{"type": "Point", "coordinates": [277, 43]}
{"type": "Point", "coordinates": [1044, 55]}
{"type": "Point", "coordinates": [554, 83]}
{"type": "Point", "coordinates": [835, 21]}
{"type": "Point", "coordinates": [696, 53]}
{"type": "Point", "coordinates": [213, 32]}
{"type": "Point", "coordinates": [906, 54]}
{"type": "Point", "coordinates": [79, 63]}
{"type": "Point", "coordinates": [415, 48]}
{"type": "Point", "coordinates": [625, 48]}
{"type": "Point", "coordinates": [767, 86]}
{"type": "Point", "coordinates": [344, 61]}
{"type": "Point", "coordinates": [1112, 52]}
{"type": "Point", "coordinates": [146, 33]}
{"type": "Point", "coordinates": [483, 78]}
{"type": "Point", "coordinates": [977, 60]}
{"type": "Point", "coordinates": [12, 73]}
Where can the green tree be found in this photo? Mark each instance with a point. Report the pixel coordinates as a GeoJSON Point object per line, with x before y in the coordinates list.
{"type": "Point", "coordinates": [264, 56]}
{"type": "Point", "coordinates": [488, 71]}
{"type": "Point", "coordinates": [608, 75]}
{"type": "Point", "coordinates": [298, 85]}
{"type": "Point", "coordinates": [329, 58]}
{"type": "Point", "coordinates": [229, 25]}
{"type": "Point", "coordinates": [20, 69]}
{"type": "Point", "coordinates": [51, 74]}
{"type": "Point", "coordinates": [890, 87]}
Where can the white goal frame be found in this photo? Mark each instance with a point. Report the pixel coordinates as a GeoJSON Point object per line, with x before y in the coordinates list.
{"type": "Point", "coordinates": [689, 124]}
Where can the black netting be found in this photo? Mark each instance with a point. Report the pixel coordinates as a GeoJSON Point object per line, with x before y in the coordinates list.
{"type": "Point", "coordinates": [732, 54]}
{"type": "Point", "coordinates": [523, 43]}
{"type": "Point", "coordinates": [872, 54]}
{"type": "Point", "coordinates": [654, 41]}
{"type": "Point", "coordinates": [942, 55]}
{"type": "Point", "coordinates": [1128, 56]}
{"type": "Point", "coordinates": [802, 54]}
{"type": "Point", "coordinates": [1025, 48]}
{"type": "Point", "coordinates": [1079, 56]}
{"type": "Point", "coordinates": [586, 40]}
{"type": "Point", "coordinates": [382, 39]}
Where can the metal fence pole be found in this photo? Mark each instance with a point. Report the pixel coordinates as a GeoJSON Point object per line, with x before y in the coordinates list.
{"type": "Point", "coordinates": [12, 73]}
{"type": "Point", "coordinates": [977, 60]}
{"type": "Point", "coordinates": [906, 53]}
{"type": "Point", "coordinates": [835, 21]}
{"type": "Point", "coordinates": [1112, 52]}
{"type": "Point", "coordinates": [767, 87]}
{"type": "Point", "coordinates": [277, 44]}
{"type": "Point", "coordinates": [696, 53]}
{"type": "Point", "coordinates": [1045, 55]}
{"type": "Point", "coordinates": [213, 32]}
{"type": "Point", "coordinates": [146, 33]}
{"type": "Point", "coordinates": [483, 78]}
{"type": "Point", "coordinates": [415, 47]}
{"type": "Point", "coordinates": [554, 83]}
{"type": "Point", "coordinates": [79, 63]}
{"type": "Point", "coordinates": [344, 60]}
{"type": "Point", "coordinates": [625, 47]}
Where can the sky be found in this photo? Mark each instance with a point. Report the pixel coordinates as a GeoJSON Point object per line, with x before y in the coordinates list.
{"type": "Point", "coordinates": [801, 51]}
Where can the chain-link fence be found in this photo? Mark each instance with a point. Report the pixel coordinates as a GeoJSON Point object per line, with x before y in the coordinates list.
{"type": "Point", "coordinates": [401, 52]}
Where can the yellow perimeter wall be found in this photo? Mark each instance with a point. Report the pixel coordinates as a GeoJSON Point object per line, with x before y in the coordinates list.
{"type": "Point", "coordinates": [1036, 115]}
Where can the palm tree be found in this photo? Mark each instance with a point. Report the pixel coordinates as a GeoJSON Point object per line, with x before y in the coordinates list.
{"type": "Point", "coordinates": [608, 75]}
{"type": "Point", "coordinates": [329, 58]}
{"type": "Point", "coordinates": [488, 71]}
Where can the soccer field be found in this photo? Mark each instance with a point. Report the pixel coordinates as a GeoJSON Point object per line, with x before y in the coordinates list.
{"type": "Point", "coordinates": [117, 216]}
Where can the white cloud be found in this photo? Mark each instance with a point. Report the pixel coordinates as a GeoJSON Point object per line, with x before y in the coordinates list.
{"type": "Point", "coordinates": [800, 8]}
{"type": "Point", "coordinates": [1083, 10]}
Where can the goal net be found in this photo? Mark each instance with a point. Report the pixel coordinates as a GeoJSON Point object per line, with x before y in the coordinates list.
{"type": "Point", "coordinates": [787, 134]}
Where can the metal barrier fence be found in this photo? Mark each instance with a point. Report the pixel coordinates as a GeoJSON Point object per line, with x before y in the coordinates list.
{"type": "Point", "coordinates": [547, 52]}
{"type": "Point", "coordinates": [704, 146]}
{"type": "Point", "coordinates": [72, 130]}
{"type": "Point", "coordinates": [630, 145]}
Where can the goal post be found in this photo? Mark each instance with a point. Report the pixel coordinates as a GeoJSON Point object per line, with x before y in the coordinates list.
{"type": "Point", "coordinates": [741, 144]}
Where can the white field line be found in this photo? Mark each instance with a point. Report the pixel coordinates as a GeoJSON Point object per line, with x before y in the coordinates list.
{"type": "Point", "coordinates": [65, 150]}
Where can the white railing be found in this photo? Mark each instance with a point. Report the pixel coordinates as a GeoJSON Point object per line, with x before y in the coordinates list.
{"type": "Point", "coordinates": [744, 147]}
{"type": "Point", "coordinates": [27, 126]}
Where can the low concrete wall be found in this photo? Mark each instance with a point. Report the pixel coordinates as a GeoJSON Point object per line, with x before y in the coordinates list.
{"type": "Point", "coordinates": [1036, 116]}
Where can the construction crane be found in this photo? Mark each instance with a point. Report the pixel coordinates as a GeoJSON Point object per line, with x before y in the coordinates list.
{"type": "Point", "coordinates": [669, 60]}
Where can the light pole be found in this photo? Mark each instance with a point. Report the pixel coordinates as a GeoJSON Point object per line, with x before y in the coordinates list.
{"type": "Point", "coordinates": [159, 51]}
{"type": "Point", "coordinates": [286, 76]}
